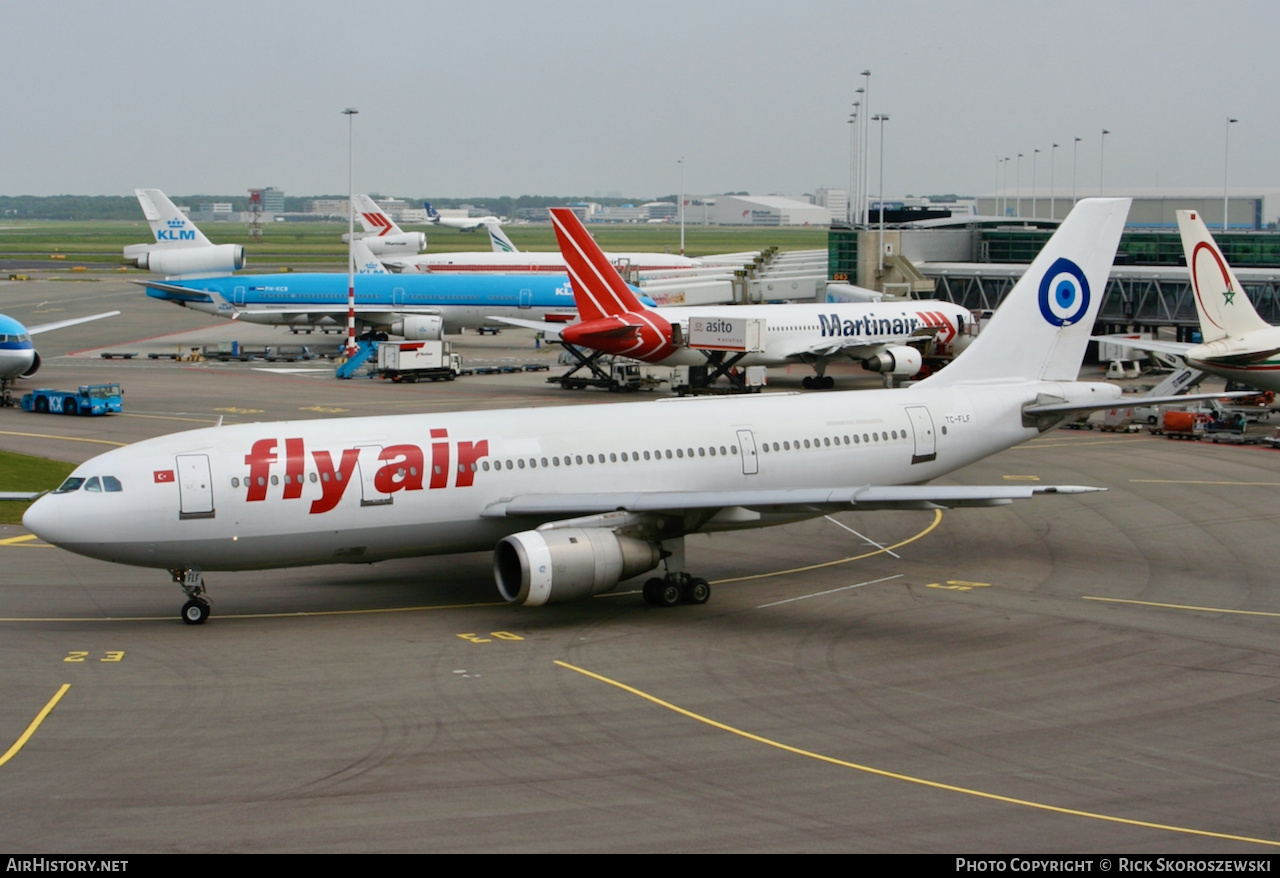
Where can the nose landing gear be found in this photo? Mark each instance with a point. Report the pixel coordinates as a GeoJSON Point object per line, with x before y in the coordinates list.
{"type": "Point", "coordinates": [196, 610]}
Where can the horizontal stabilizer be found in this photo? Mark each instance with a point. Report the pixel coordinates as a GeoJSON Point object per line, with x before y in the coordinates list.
{"type": "Point", "coordinates": [1125, 401]}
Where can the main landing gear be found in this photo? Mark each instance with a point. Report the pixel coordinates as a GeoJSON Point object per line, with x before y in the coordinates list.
{"type": "Point", "coordinates": [196, 609]}
{"type": "Point", "coordinates": [818, 382]}
{"type": "Point", "coordinates": [677, 586]}
{"type": "Point", "coordinates": [676, 589]}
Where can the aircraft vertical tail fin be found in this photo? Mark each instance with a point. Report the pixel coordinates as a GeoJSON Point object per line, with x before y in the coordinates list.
{"type": "Point", "coordinates": [1042, 329]}
{"type": "Point", "coordinates": [365, 261]}
{"type": "Point", "coordinates": [598, 289]}
{"type": "Point", "coordinates": [374, 219]}
{"type": "Point", "coordinates": [433, 215]}
{"type": "Point", "coordinates": [1224, 309]}
{"type": "Point", "coordinates": [498, 238]}
{"type": "Point", "coordinates": [169, 225]}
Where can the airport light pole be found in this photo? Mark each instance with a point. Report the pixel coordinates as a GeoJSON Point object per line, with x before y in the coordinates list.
{"type": "Point", "coordinates": [681, 164]}
{"type": "Point", "coordinates": [1004, 189]}
{"type": "Point", "coordinates": [1102, 159]}
{"type": "Point", "coordinates": [1035, 154]}
{"type": "Point", "coordinates": [858, 126]}
{"type": "Point", "coordinates": [1226, 154]}
{"type": "Point", "coordinates": [881, 118]}
{"type": "Point", "coordinates": [865, 183]}
{"type": "Point", "coordinates": [995, 208]}
{"type": "Point", "coordinates": [1073, 171]}
{"type": "Point", "coordinates": [350, 113]}
{"type": "Point", "coordinates": [1053, 155]}
{"type": "Point", "coordinates": [1017, 178]}
{"type": "Point", "coordinates": [853, 127]}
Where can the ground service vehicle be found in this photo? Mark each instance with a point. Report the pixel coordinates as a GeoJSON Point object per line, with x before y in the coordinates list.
{"type": "Point", "coordinates": [95, 399]}
{"type": "Point", "coordinates": [411, 361]}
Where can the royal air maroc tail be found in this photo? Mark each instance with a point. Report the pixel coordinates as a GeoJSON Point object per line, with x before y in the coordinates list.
{"type": "Point", "coordinates": [1237, 343]}
{"type": "Point", "coordinates": [884, 337]}
{"type": "Point", "coordinates": [579, 498]}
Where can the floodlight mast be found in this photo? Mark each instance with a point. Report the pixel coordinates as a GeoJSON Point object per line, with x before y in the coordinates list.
{"type": "Point", "coordinates": [350, 113]}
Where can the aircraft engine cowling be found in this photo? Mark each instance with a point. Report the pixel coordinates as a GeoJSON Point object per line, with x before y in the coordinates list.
{"type": "Point", "coordinates": [189, 260]}
{"type": "Point", "coordinates": [35, 365]}
{"type": "Point", "coordinates": [396, 245]}
{"type": "Point", "coordinates": [419, 327]}
{"type": "Point", "coordinates": [540, 567]}
{"type": "Point", "coordinates": [898, 360]}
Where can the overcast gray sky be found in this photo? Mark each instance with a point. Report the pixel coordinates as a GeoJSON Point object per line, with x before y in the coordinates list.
{"type": "Point", "coordinates": [477, 97]}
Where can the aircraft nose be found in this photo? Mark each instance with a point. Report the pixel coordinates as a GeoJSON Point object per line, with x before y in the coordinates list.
{"type": "Point", "coordinates": [44, 519]}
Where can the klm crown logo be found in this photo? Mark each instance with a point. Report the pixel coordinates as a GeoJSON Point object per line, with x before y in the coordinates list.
{"type": "Point", "coordinates": [177, 231]}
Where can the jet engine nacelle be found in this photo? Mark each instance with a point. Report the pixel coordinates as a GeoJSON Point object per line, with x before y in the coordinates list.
{"type": "Point", "coordinates": [182, 261]}
{"type": "Point", "coordinates": [35, 365]}
{"type": "Point", "coordinates": [394, 245]}
{"type": "Point", "coordinates": [898, 360]}
{"type": "Point", "coordinates": [539, 567]}
{"type": "Point", "coordinates": [419, 327]}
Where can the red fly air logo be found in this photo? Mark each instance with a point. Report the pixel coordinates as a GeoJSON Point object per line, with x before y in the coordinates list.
{"type": "Point", "coordinates": [378, 221]}
{"type": "Point", "coordinates": [322, 476]}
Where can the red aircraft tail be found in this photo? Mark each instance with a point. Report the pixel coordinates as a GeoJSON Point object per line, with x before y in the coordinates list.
{"type": "Point", "coordinates": [598, 289]}
{"type": "Point", "coordinates": [612, 318]}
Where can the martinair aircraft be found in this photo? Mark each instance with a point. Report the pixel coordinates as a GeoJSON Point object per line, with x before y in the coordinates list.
{"type": "Point", "coordinates": [381, 234]}
{"type": "Point", "coordinates": [876, 334]}
{"type": "Point", "coordinates": [18, 356]}
{"type": "Point", "coordinates": [577, 499]}
{"type": "Point", "coordinates": [418, 307]}
{"type": "Point", "coordinates": [1237, 343]}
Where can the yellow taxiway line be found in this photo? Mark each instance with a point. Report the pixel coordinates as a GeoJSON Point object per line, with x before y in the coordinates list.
{"type": "Point", "coordinates": [35, 724]}
{"type": "Point", "coordinates": [1009, 800]}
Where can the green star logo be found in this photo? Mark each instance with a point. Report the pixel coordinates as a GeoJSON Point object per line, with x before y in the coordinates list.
{"type": "Point", "coordinates": [1228, 296]}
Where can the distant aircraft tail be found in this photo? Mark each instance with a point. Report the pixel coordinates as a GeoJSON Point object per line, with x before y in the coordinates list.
{"type": "Point", "coordinates": [170, 226]}
{"type": "Point", "coordinates": [433, 215]}
{"type": "Point", "coordinates": [366, 262]}
{"type": "Point", "coordinates": [1225, 311]}
{"type": "Point", "coordinates": [598, 289]}
{"type": "Point", "coordinates": [1041, 330]}
{"type": "Point", "coordinates": [374, 220]}
{"type": "Point", "coordinates": [498, 238]}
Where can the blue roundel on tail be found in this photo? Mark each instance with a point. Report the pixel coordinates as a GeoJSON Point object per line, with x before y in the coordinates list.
{"type": "Point", "coordinates": [1064, 293]}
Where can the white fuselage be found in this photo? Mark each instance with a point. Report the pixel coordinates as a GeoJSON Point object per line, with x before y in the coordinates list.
{"type": "Point", "coordinates": [529, 263]}
{"type": "Point", "coordinates": [363, 489]}
{"type": "Point", "coordinates": [812, 332]}
{"type": "Point", "coordinates": [1253, 358]}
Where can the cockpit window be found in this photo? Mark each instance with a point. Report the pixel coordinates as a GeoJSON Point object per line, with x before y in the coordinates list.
{"type": "Point", "coordinates": [93, 485]}
{"type": "Point", "coordinates": [71, 484]}
{"type": "Point", "coordinates": [111, 483]}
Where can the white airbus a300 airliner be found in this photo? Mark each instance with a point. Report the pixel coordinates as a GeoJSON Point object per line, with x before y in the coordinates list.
{"type": "Point", "coordinates": [577, 499]}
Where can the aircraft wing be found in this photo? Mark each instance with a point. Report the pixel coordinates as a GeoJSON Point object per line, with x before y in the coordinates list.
{"type": "Point", "coordinates": [551, 330]}
{"type": "Point", "coordinates": [1146, 344]}
{"type": "Point", "coordinates": [61, 324]}
{"type": "Point", "coordinates": [857, 347]}
{"type": "Point", "coordinates": [778, 500]}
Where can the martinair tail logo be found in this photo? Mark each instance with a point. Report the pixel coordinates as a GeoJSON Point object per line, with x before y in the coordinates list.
{"type": "Point", "coordinates": [1064, 293]}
